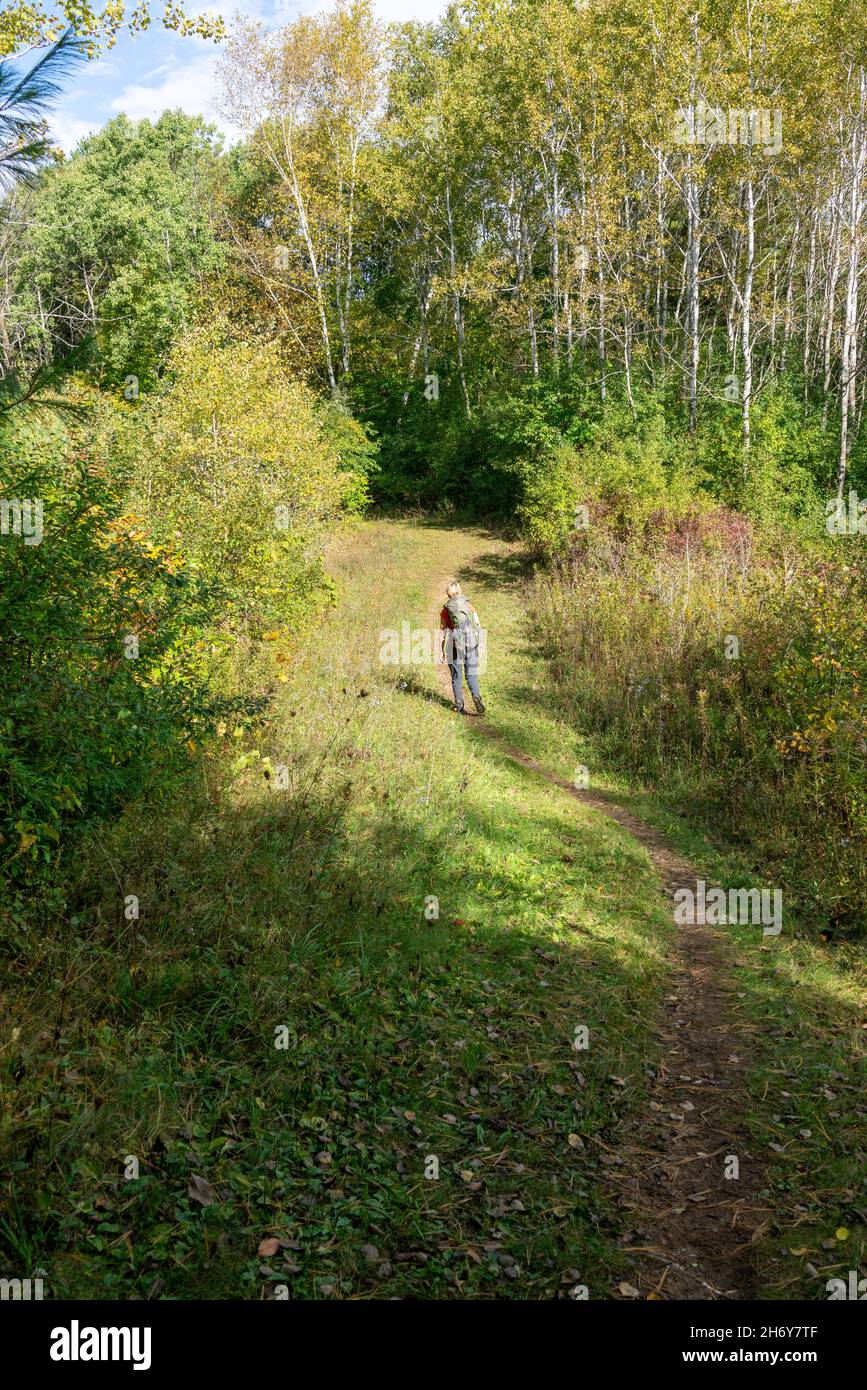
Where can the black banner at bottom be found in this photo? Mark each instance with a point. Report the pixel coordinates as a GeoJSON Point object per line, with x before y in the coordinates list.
{"type": "Point", "coordinates": [83, 1339]}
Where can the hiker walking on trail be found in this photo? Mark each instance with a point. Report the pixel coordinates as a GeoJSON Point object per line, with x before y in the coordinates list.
{"type": "Point", "coordinates": [459, 623]}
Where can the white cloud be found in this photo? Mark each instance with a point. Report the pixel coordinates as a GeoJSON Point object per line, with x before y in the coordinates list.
{"type": "Point", "coordinates": [158, 71]}
{"type": "Point", "coordinates": [103, 67]}
{"type": "Point", "coordinates": [67, 130]}
{"type": "Point", "coordinates": [192, 87]}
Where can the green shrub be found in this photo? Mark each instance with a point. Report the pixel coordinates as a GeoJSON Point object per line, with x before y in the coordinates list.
{"type": "Point", "coordinates": [247, 471]}
{"type": "Point", "coordinates": [103, 659]}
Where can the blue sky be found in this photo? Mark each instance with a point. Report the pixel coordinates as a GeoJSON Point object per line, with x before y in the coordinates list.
{"type": "Point", "coordinates": [157, 71]}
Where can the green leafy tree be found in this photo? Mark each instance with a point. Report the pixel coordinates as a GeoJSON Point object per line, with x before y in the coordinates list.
{"type": "Point", "coordinates": [120, 245]}
{"type": "Point", "coordinates": [248, 470]}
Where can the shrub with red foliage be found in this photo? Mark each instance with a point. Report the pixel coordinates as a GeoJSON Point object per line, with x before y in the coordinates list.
{"type": "Point", "coordinates": [717, 529]}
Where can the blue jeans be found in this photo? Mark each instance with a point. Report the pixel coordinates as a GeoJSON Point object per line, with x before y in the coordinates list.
{"type": "Point", "coordinates": [470, 664]}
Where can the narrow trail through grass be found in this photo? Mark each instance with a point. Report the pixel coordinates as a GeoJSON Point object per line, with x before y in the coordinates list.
{"type": "Point", "coordinates": [699, 1224]}
{"type": "Point", "coordinates": [696, 1224]}
{"type": "Point", "coordinates": [707, 1213]}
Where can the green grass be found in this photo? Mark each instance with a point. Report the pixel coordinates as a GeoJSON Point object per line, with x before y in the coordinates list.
{"type": "Point", "coordinates": [303, 911]}
{"type": "Point", "coordinates": [407, 1038]}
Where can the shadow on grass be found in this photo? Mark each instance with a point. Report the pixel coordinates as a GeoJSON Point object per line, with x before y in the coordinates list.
{"type": "Point", "coordinates": [410, 684]}
{"type": "Point", "coordinates": [489, 528]}
{"type": "Point", "coordinates": [405, 1037]}
{"type": "Point", "coordinates": [496, 570]}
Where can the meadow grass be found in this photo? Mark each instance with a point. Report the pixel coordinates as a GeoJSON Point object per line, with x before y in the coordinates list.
{"type": "Point", "coordinates": [805, 997]}
{"type": "Point", "coordinates": [297, 916]}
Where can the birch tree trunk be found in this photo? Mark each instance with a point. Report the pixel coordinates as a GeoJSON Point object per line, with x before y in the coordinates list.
{"type": "Point", "coordinates": [849, 350]}
{"type": "Point", "coordinates": [456, 296]}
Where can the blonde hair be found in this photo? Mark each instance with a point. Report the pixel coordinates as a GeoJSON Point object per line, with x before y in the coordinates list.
{"type": "Point", "coordinates": [453, 589]}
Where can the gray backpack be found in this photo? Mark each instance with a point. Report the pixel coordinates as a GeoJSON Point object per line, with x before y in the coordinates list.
{"type": "Point", "coordinates": [464, 633]}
